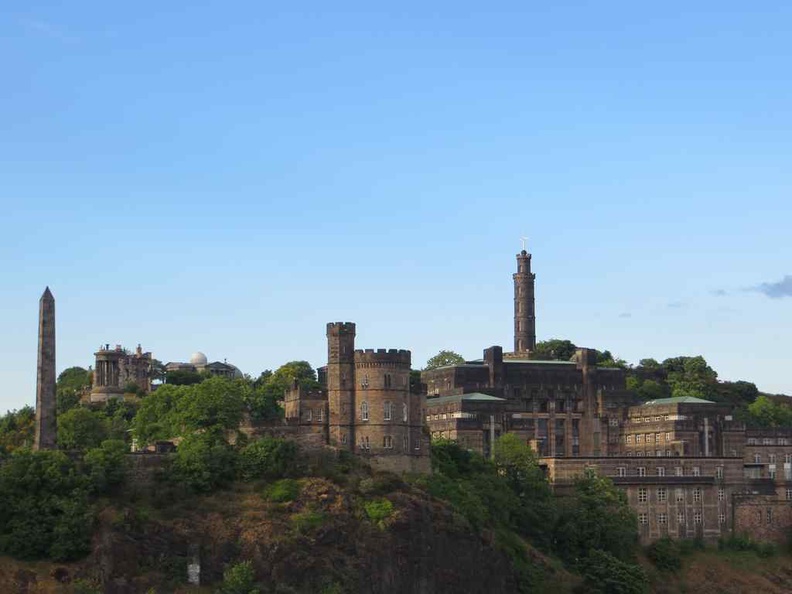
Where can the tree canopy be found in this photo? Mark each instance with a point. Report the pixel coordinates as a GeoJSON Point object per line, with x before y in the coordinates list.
{"type": "Point", "coordinates": [444, 358]}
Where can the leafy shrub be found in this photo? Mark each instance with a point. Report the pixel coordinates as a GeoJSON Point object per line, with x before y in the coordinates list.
{"type": "Point", "coordinates": [605, 574]}
{"type": "Point", "coordinates": [381, 483]}
{"type": "Point", "coordinates": [378, 510]}
{"type": "Point", "coordinates": [81, 428]}
{"type": "Point", "coordinates": [239, 579]}
{"type": "Point", "coordinates": [665, 554]}
{"type": "Point", "coordinates": [743, 542]}
{"type": "Point", "coordinates": [268, 457]}
{"type": "Point", "coordinates": [282, 491]}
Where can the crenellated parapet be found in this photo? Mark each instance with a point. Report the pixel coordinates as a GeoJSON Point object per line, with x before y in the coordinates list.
{"type": "Point", "coordinates": [390, 358]}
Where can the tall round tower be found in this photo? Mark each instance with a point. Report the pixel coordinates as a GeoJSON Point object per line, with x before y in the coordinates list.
{"type": "Point", "coordinates": [524, 307]}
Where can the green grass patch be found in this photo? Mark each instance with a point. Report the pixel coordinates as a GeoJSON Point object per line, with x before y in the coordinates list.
{"type": "Point", "coordinates": [282, 491]}
{"type": "Point", "coordinates": [307, 520]}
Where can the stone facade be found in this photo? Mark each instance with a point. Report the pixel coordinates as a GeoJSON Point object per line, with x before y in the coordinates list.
{"type": "Point", "coordinates": [366, 406]}
{"type": "Point", "coordinates": [46, 428]}
{"type": "Point", "coordinates": [116, 369]}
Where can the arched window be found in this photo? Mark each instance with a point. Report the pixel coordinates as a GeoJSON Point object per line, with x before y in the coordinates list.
{"type": "Point", "coordinates": [364, 411]}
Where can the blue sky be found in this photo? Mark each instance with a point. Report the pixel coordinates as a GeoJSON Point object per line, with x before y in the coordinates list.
{"type": "Point", "coordinates": [231, 176]}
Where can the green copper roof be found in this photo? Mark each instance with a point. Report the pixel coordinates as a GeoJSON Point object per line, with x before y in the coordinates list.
{"type": "Point", "coordinates": [472, 397]}
{"type": "Point", "coordinates": [677, 400]}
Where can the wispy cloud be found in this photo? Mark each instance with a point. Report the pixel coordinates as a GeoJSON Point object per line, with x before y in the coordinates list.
{"type": "Point", "coordinates": [677, 305]}
{"type": "Point", "coordinates": [719, 292]}
{"type": "Point", "coordinates": [48, 29]}
{"type": "Point", "coordinates": [777, 290]}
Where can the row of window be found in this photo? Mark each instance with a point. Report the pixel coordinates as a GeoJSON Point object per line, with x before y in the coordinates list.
{"type": "Point", "coordinates": [387, 411]}
{"type": "Point", "coordinates": [649, 437]}
{"type": "Point", "coordinates": [387, 442]}
{"type": "Point", "coordinates": [771, 458]}
{"type": "Point", "coordinates": [387, 381]}
{"type": "Point", "coordinates": [661, 495]}
{"type": "Point", "coordinates": [662, 518]}
{"type": "Point", "coordinates": [661, 471]}
{"type": "Point", "coordinates": [782, 441]}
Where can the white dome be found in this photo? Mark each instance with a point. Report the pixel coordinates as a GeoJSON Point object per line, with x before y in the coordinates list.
{"type": "Point", "coordinates": [198, 359]}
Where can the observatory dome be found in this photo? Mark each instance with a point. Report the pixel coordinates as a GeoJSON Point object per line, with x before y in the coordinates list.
{"type": "Point", "coordinates": [198, 359]}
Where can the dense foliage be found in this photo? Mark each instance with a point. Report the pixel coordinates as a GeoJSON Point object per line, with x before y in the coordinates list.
{"type": "Point", "coordinates": [444, 358]}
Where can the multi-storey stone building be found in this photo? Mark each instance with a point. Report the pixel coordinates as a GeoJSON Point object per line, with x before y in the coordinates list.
{"type": "Point", "coordinates": [365, 405]}
{"type": "Point", "coordinates": [688, 467]}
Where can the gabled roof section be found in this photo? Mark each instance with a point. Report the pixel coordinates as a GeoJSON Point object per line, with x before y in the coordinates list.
{"type": "Point", "coordinates": [471, 397]}
{"type": "Point", "coordinates": [677, 400]}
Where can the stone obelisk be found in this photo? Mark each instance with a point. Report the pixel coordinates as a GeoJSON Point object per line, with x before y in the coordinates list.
{"type": "Point", "coordinates": [46, 428]}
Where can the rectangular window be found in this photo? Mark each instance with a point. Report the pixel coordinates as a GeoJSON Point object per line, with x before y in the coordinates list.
{"type": "Point", "coordinates": [649, 438]}
{"type": "Point", "coordinates": [662, 519]}
{"type": "Point", "coordinates": [719, 472]}
{"type": "Point", "coordinates": [678, 471]}
{"type": "Point", "coordinates": [638, 438]}
{"type": "Point", "coordinates": [680, 495]}
{"type": "Point", "coordinates": [642, 495]}
{"type": "Point", "coordinates": [643, 519]}
{"type": "Point", "coordinates": [404, 413]}
{"type": "Point", "coordinates": [697, 517]}
{"type": "Point", "coordinates": [387, 442]}
{"type": "Point", "coordinates": [668, 437]}
{"type": "Point", "coordinates": [661, 494]}
{"type": "Point", "coordinates": [721, 494]}
{"type": "Point", "coordinates": [364, 411]}
{"type": "Point", "coordinates": [771, 458]}
{"type": "Point", "coordinates": [697, 495]}
{"type": "Point", "coordinates": [680, 517]}
{"type": "Point", "coordinates": [661, 471]}
{"type": "Point", "coordinates": [757, 458]}
{"type": "Point", "coordinates": [641, 471]}
{"type": "Point", "coordinates": [387, 412]}
{"type": "Point", "coordinates": [721, 518]}
{"type": "Point", "coordinates": [309, 415]}
{"type": "Point", "coordinates": [657, 437]}
{"type": "Point", "coordinates": [696, 471]}
{"type": "Point", "coordinates": [621, 471]}
{"type": "Point", "coordinates": [629, 439]}
{"type": "Point", "coordinates": [789, 494]}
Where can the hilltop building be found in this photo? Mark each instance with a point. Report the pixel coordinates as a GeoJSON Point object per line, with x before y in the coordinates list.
{"type": "Point", "coordinates": [199, 363]}
{"type": "Point", "coordinates": [118, 371]}
{"type": "Point", "coordinates": [365, 405]}
{"type": "Point", "coordinates": [688, 468]}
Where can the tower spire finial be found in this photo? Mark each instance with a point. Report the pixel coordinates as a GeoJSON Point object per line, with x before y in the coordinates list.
{"type": "Point", "coordinates": [524, 241]}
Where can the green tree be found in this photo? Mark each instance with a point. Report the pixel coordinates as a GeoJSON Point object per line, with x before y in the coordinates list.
{"type": "Point", "coordinates": [554, 349]}
{"type": "Point", "coordinates": [106, 466]}
{"type": "Point", "coordinates": [690, 376]}
{"type": "Point", "coordinates": [75, 379]}
{"type": "Point", "coordinates": [216, 403]}
{"type": "Point", "coordinates": [17, 428]}
{"type": "Point", "coordinates": [81, 428]}
{"type": "Point", "coordinates": [595, 516]}
{"type": "Point", "coordinates": [443, 359]}
{"type": "Point", "coordinates": [765, 412]}
{"type": "Point", "coordinates": [45, 510]}
{"type": "Point", "coordinates": [183, 377]}
{"type": "Point", "coordinates": [204, 462]}
{"type": "Point", "coordinates": [268, 457]}
{"type": "Point", "coordinates": [605, 574]}
{"type": "Point", "coordinates": [156, 418]}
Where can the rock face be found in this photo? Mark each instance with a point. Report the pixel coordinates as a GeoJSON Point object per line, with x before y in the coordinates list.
{"type": "Point", "coordinates": [322, 542]}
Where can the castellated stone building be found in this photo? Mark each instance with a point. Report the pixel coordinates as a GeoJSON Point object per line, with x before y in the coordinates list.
{"type": "Point", "coordinates": [116, 369]}
{"type": "Point", "coordinates": [365, 406]}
